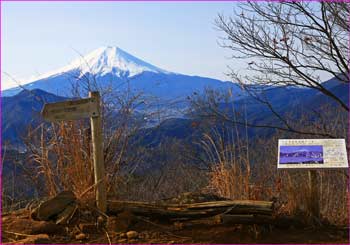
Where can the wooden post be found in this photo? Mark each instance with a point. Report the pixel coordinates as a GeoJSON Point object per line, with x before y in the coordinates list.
{"type": "Point", "coordinates": [97, 144]}
{"type": "Point", "coordinates": [314, 201]}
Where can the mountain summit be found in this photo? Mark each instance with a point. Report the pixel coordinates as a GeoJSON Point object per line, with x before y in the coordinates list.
{"type": "Point", "coordinates": [107, 60]}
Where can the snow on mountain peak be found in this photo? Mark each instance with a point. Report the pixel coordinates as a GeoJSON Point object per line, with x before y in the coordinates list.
{"type": "Point", "coordinates": [105, 60]}
{"type": "Point", "coordinates": [113, 60]}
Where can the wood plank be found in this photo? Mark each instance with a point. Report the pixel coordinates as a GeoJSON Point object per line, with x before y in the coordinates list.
{"type": "Point", "coordinates": [204, 205]}
{"type": "Point", "coordinates": [70, 110]}
{"type": "Point", "coordinates": [191, 211]}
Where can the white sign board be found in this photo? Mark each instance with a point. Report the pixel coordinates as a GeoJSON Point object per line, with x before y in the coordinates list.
{"type": "Point", "coordinates": [312, 153]}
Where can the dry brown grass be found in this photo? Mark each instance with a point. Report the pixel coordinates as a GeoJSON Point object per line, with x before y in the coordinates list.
{"type": "Point", "coordinates": [230, 166]}
{"type": "Point", "coordinates": [63, 161]}
{"type": "Point", "coordinates": [289, 188]}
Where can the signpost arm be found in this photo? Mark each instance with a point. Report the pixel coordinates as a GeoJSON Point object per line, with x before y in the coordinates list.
{"type": "Point", "coordinates": [97, 144]}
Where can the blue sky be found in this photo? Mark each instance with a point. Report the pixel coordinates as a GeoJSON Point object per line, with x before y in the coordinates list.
{"type": "Point", "coordinates": [38, 37]}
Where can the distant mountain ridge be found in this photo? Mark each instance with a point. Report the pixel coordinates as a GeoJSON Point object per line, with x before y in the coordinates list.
{"type": "Point", "coordinates": [21, 111]}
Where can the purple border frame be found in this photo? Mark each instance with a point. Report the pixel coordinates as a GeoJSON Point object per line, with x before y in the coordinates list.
{"type": "Point", "coordinates": [1, 163]}
{"type": "Point", "coordinates": [164, 0]}
{"type": "Point", "coordinates": [0, 124]}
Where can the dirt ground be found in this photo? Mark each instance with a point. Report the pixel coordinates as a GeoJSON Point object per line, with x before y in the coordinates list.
{"type": "Point", "coordinates": [19, 228]}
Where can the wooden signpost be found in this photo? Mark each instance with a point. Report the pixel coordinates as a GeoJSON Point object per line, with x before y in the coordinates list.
{"type": "Point", "coordinates": [78, 109]}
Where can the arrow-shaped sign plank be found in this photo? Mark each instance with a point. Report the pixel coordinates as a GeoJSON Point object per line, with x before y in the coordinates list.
{"type": "Point", "coordinates": [70, 110]}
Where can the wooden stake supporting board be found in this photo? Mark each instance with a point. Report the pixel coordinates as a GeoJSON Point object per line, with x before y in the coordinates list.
{"type": "Point", "coordinates": [79, 109]}
{"type": "Point", "coordinates": [314, 189]}
{"type": "Point", "coordinates": [99, 167]}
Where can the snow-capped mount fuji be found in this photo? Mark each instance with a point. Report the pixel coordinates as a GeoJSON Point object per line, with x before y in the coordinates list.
{"type": "Point", "coordinates": [109, 60]}
{"type": "Point", "coordinates": [114, 67]}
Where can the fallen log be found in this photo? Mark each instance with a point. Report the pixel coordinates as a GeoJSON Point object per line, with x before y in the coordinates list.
{"type": "Point", "coordinates": [247, 219]}
{"type": "Point", "coordinates": [242, 219]}
{"type": "Point", "coordinates": [236, 203]}
{"type": "Point", "coordinates": [191, 211]}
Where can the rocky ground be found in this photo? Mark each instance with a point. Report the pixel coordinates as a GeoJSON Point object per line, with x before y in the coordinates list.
{"type": "Point", "coordinates": [20, 227]}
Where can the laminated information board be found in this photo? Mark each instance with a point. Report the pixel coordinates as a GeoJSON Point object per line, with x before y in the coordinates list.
{"type": "Point", "coordinates": [312, 153]}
